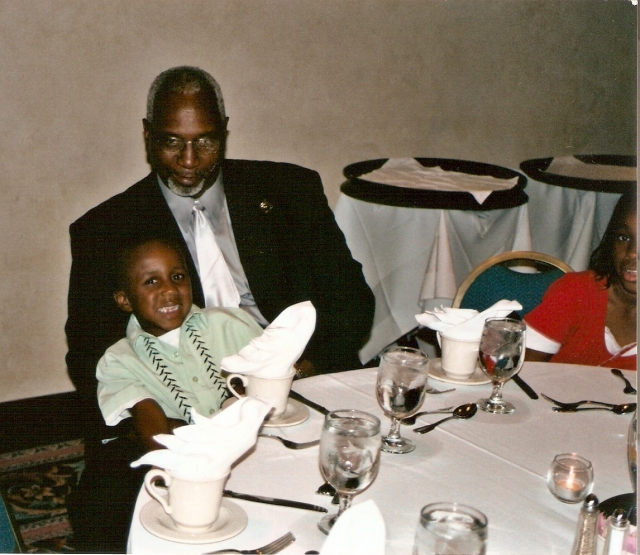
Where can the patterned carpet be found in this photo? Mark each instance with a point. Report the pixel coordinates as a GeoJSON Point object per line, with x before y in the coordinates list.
{"type": "Point", "coordinates": [35, 484]}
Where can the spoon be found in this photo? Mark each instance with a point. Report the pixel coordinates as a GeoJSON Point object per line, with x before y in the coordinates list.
{"type": "Point", "coordinates": [462, 412]}
{"type": "Point", "coordinates": [617, 409]}
{"type": "Point", "coordinates": [411, 420]}
{"type": "Point", "coordinates": [628, 388]}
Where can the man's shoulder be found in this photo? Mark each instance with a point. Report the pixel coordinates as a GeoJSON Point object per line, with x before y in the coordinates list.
{"type": "Point", "coordinates": [121, 203]}
{"type": "Point", "coordinates": [254, 170]}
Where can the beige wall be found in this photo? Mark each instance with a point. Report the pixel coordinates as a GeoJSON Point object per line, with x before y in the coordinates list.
{"type": "Point", "coordinates": [322, 83]}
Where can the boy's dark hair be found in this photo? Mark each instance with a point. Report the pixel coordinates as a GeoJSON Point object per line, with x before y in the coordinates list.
{"type": "Point", "coordinates": [122, 260]}
{"type": "Point", "coordinates": [602, 262]}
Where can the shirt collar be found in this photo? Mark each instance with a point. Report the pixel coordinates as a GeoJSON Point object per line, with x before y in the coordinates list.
{"type": "Point", "coordinates": [135, 333]}
{"type": "Point", "coordinates": [212, 199]}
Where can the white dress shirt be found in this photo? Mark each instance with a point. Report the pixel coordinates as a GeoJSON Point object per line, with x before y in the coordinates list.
{"type": "Point", "coordinates": [217, 211]}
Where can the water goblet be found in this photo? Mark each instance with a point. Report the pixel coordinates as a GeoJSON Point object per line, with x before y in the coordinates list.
{"type": "Point", "coordinates": [349, 456]}
{"type": "Point", "coordinates": [400, 389]}
{"type": "Point", "coordinates": [501, 356]}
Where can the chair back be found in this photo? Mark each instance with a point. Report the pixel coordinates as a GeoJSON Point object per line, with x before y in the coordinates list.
{"type": "Point", "coordinates": [10, 538]}
{"type": "Point", "coordinates": [495, 279]}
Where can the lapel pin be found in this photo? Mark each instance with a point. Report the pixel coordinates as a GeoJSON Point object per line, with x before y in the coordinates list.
{"type": "Point", "coordinates": [266, 206]}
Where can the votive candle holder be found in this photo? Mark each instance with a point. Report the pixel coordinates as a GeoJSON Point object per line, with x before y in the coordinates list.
{"type": "Point", "coordinates": [570, 477]}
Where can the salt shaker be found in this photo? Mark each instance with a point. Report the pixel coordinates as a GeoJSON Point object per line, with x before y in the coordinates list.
{"type": "Point", "coordinates": [585, 541]}
{"type": "Point", "coordinates": [617, 533]}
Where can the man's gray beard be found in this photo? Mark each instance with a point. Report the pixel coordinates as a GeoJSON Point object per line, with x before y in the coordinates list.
{"type": "Point", "coordinates": [182, 191]}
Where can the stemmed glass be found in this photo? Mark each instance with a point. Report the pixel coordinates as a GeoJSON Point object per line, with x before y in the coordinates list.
{"type": "Point", "coordinates": [349, 456]}
{"type": "Point", "coordinates": [400, 388]}
{"type": "Point", "coordinates": [501, 356]}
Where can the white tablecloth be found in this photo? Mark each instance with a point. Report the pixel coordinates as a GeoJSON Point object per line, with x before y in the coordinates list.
{"type": "Point", "coordinates": [415, 258]}
{"type": "Point", "coordinates": [496, 463]}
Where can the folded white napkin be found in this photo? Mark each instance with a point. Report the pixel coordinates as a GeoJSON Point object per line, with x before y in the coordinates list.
{"type": "Point", "coordinates": [273, 354]}
{"type": "Point", "coordinates": [206, 449]}
{"type": "Point", "coordinates": [570, 166]}
{"type": "Point", "coordinates": [408, 172]}
{"type": "Point", "coordinates": [360, 530]}
{"type": "Point", "coordinates": [464, 323]}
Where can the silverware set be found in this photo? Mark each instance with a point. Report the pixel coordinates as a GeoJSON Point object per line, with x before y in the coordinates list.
{"type": "Point", "coordinates": [623, 408]}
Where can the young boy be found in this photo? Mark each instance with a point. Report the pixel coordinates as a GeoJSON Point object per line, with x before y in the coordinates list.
{"type": "Point", "coordinates": [170, 358]}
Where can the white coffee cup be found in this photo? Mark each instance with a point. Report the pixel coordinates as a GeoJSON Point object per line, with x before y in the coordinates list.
{"type": "Point", "coordinates": [459, 356]}
{"type": "Point", "coordinates": [193, 506]}
{"type": "Point", "coordinates": [272, 390]}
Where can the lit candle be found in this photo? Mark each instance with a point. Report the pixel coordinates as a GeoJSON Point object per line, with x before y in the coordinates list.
{"type": "Point", "coordinates": [570, 489]}
{"type": "Point", "coordinates": [570, 477]}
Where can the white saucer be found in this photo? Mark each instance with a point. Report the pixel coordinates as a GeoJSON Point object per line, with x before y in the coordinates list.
{"type": "Point", "coordinates": [437, 373]}
{"type": "Point", "coordinates": [295, 413]}
{"type": "Point", "coordinates": [231, 521]}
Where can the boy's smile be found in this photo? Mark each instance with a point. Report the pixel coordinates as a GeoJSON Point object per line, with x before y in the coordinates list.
{"type": "Point", "coordinates": [159, 288]}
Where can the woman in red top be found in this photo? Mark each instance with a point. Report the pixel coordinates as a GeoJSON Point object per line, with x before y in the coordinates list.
{"type": "Point", "coordinates": [590, 317]}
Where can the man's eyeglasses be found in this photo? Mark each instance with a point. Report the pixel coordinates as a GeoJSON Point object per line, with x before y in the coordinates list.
{"type": "Point", "coordinates": [175, 145]}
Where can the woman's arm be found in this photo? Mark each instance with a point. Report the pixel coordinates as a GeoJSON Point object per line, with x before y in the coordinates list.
{"type": "Point", "coordinates": [149, 420]}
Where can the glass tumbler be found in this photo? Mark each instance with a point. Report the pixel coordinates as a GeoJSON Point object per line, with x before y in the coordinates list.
{"type": "Point", "coordinates": [450, 529]}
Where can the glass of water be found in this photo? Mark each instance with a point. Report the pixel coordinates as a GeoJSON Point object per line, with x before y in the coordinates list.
{"type": "Point", "coordinates": [349, 456]}
{"type": "Point", "coordinates": [400, 389]}
{"type": "Point", "coordinates": [501, 357]}
{"type": "Point", "coordinates": [450, 529]}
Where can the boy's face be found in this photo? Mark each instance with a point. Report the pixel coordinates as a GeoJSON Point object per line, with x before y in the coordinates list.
{"type": "Point", "coordinates": [159, 288]}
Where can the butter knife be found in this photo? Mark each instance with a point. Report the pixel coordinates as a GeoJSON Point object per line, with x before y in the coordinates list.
{"type": "Point", "coordinates": [315, 406]}
{"type": "Point", "coordinates": [525, 387]}
{"type": "Point", "coordinates": [274, 501]}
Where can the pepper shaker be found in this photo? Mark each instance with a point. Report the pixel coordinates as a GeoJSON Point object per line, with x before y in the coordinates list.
{"type": "Point", "coordinates": [585, 540]}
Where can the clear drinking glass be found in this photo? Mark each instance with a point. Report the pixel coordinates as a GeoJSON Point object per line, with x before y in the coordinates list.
{"type": "Point", "coordinates": [450, 529]}
{"type": "Point", "coordinates": [501, 356]}
{"type": "Point", "coordinates": [349, 456]}
{"type": "Point", "coordinates": [400, 388]}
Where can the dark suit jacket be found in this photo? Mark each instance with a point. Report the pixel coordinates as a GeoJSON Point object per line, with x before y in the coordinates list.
{"type": "Point", "coordinates": [290, 247]}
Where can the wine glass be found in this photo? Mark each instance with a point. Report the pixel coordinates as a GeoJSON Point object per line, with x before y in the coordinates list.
{"type": "Point", "coordinates": [400, 388]}
{"type": "Point", "coordinates": [501, 356]}
{"type": "Point", "coordinates": [349, 456]}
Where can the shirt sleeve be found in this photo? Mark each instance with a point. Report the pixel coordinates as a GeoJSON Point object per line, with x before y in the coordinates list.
{"type": "Point", "coordinates": [556, 318]}
{"type": "Point", "coordinates": [118, 389]}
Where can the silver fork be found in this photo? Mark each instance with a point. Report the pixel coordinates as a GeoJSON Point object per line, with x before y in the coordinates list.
{"type": "Point", "coordinates": [434, 391]}
{"type": "Point", "coordinates": [273, 547]}
{"type": "Point", "coordinates": [292, 444]}
{"type": "Point", "coordinates": [575, 405]}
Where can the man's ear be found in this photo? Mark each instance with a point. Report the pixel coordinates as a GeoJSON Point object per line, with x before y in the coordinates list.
{"type": "Point", "coordinates": [122, 301]}
{"type": "Point", "coordinates": [147, 128]}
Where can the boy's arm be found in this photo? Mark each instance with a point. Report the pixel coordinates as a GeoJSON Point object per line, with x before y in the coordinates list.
{"type": "Point", "coordinates": [149, 420]}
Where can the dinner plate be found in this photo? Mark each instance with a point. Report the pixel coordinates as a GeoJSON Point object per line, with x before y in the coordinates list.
{"type": "Point", "coordinates": [437, 373]}
{"type": "Point", "coordinates": [231, 521]}
{"type": "Point", "coordinates": [295, 413]}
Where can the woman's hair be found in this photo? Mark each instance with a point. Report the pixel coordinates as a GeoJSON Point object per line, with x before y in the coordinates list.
{"type": "Point", "coordinates": [602, 262]}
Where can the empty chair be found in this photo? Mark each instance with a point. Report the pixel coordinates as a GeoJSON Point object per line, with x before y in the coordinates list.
{"type": "Point", "coordinates": [496, 279]}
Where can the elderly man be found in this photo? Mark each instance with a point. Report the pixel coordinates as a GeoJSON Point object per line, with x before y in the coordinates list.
{"type": "Point", "coordinates": [260, 234]}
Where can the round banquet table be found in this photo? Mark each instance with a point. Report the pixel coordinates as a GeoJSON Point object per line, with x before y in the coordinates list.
{"type": "Point", "coordinates": [496, 463]}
